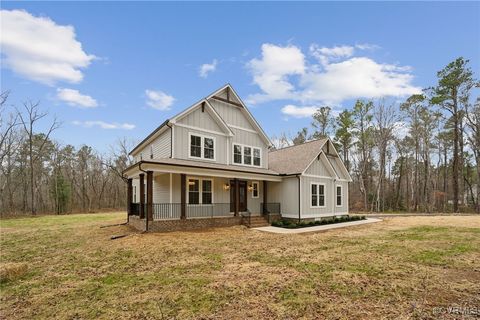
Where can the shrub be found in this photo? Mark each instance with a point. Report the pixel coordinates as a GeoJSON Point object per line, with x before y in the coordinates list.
{"type": "Point", "coordinates": [302, 224]}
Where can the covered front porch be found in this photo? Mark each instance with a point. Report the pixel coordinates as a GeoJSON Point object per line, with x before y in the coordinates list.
{"type": "Point", "coordinates": [164, 193]}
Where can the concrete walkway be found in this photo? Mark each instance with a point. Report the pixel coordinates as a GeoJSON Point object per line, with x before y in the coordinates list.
{"type": "Point", "coordinates": [317, 228]}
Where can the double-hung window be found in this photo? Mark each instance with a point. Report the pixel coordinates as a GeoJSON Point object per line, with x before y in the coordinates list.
{"type": "Point", "coordinates": [202, 147]}
{"type": "Point", "coordinates": [317, 195]}
{"type": "Point", "coordinates": [200, 191]}
{"type": "Point", "coordinates": [247, 155]}
{"type": "Point", "coordinates": [256, 157]}
{"type": "Point", "coordinates": [339, 196]}
{"type": "Point", "coordinates": [237, 154]}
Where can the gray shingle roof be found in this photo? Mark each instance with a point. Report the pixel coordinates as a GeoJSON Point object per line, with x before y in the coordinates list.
{"type": "Point", "coordinates": [294, 159]}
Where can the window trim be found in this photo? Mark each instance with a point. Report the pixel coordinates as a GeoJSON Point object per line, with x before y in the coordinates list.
{"type": "Point", "coordinates": [200, 191]}
{"type": "Point", "coordinates": [202, 146]}
{"type": "Point", "coordinates": [341, 195]}
{"type": "Point", "coordinates": [318, 195]}
{"type": "Point", "coordinates": [253, 189]}
{"type": "Point", "coordinates": [243, 153]}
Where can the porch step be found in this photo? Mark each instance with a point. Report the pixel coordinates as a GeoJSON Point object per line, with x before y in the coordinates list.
{"type": "Point", "coordinates": [256, 222]}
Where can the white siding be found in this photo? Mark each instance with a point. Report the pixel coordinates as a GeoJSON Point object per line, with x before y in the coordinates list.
{"type": "Point", "coordinates": [330, 208]}
{"type": "Point", "coordinates": [182, 144]}
{"type": "Point", "coordinates": [231, 114]}
{"type": "Point", "coordinates": [285, 193]}
{"type": "Point", "coordinates": [160, 147]}
{"type": "Point", "coordinates": [318, 168]}
{"type": "Point", "coordinates": [200, 119]}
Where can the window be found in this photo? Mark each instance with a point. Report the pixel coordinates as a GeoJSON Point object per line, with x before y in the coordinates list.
{"type": "Point", "coordinates": [317, 192]}
{"type": "Point", "coordinates": [202, 147]}
{"type": "Point", "coordinates": [256, 157]}
{"type": "Point", "coordinates": [193, 191]}
{"type": "Point", "coordinates": [195, 146]}
{"type": "Point", "coordinates": [206, 191]}
{"type": "Point", "coordinates": [247, 155]}
{"type": "Point", "coordinates": [208, 148]}
{"type": "Point", "coordinates": [237, 153]}
{"type": "Point", "coordinates": [339, 196]}
{"type": "Point", "coordinates": [200, 191]}
{"type": "Point", "coordinates": [254, 189]}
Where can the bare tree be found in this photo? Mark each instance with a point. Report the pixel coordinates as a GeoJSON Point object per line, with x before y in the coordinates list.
{"type": "Point", "coordinates": [29, 121]}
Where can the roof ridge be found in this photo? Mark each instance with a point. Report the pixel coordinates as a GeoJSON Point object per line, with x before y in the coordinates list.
{"type": "Point", "coordinates": [298, 145]}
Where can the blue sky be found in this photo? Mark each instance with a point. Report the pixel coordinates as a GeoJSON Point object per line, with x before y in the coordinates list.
{"type": "Point", "coordinates": [122, 68]}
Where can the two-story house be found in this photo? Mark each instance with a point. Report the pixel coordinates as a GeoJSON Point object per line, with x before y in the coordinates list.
{"type": "Point", "coordinates": [213, 165]}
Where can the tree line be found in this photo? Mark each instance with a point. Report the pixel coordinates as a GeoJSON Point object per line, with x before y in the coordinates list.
{"type": "Point", "coordinates": [40, 175]}
{"type": "Point", "coordinates": [421, 154]}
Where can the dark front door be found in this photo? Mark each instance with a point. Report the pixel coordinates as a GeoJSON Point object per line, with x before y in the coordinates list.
{"type": "Point", "coordinates": [242, 199]}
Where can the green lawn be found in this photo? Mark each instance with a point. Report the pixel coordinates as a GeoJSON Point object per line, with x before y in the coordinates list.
{"type": "Point", "coordinates": [67, 267]}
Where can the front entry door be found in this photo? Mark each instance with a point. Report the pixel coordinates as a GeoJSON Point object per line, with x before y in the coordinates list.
{"type": "Point", "coordinates": [242, 199]}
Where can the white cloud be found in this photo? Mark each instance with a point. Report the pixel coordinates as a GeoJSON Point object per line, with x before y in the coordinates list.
{"type": "Point", "coordinates": [74, 98]}
{"type": "Point", "coordinates": [348, 77]}
{"type": "Point", "coordinates": [159, 100]}
{"type": "Point", "coordinates": [298, 112]}
{"type": "Point", "coordinates": [40, 50]}
{"type": "Point", "coordinates": [104, 125]}
{"type": "Point", "coordinates": [207, 68]}
{"type": "Point", "coordinates": [271, 72]}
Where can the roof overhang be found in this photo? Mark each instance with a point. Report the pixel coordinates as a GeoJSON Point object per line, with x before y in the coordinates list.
{"type": "Point", "coordinates": [142, 166]}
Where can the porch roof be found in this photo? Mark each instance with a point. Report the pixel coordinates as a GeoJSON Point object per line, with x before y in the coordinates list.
{"type": "Point", "coordinates": [169, 165]}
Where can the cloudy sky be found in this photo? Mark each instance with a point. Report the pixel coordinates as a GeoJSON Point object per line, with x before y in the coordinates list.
{"type": "Point", "coordinates": [109, 70]}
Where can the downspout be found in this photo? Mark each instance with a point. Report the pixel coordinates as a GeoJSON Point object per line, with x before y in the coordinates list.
{"type": "Point", "coordinates": [334, 195]}
{"type": "Point", "coordinates": [146, 216]}
{"type": "Point", "coordinates": [299, 199]}
{"type": "Point", "coordinates": [171, 139]}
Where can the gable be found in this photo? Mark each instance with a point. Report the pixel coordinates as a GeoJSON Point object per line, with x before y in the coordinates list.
{"type": "Point", "coordinates": [337, 164]}
{"type": "Point", "coordinates": [232, 109]}
{"type": "Point", "coordinates": [200, 119]}
{"type": "Point", "coordinates": [319, 167]}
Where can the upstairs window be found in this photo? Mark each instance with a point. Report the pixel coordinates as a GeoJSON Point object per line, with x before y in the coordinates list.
{"type": "Point", "coordinates": [195, 146]}
{"type": "Point", "coordinates": [237, 153]}
{"type": "Point", "coordinates": [339, 196]}
{"type": "Point", "coordinates": [247, 155]}
{"type": "Point", "coordinates": [202, 147]}
{"type": "Point", "coordinates": [256, 157]}
{"type": "Point", "coordinates": [208, 148]}
{"type": "Point", "coordinates": [317, 195]}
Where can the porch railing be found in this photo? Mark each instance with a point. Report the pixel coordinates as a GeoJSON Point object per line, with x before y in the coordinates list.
{"type": "Point", "coordinates": [167, 211]}
{"type": "Point", "coordinates": [272, 207]}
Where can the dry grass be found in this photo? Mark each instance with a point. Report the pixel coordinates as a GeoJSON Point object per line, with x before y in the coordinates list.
{"type": "Point", "coordinates": [397, 269]}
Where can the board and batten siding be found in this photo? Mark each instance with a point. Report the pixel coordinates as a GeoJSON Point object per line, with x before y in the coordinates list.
{"type": "Point", "coordinates": [199, 119]}
{"type": "Point", "coordinates": [182, 144]}
{"type": "Point", "coordinates": [231, 114]}
{"type": "Point", "coordinates": [318, 168]}
{"type": "Point", "coordinates": [285, 193]}
{"type": "Point", "coordinates": [330, 208]}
